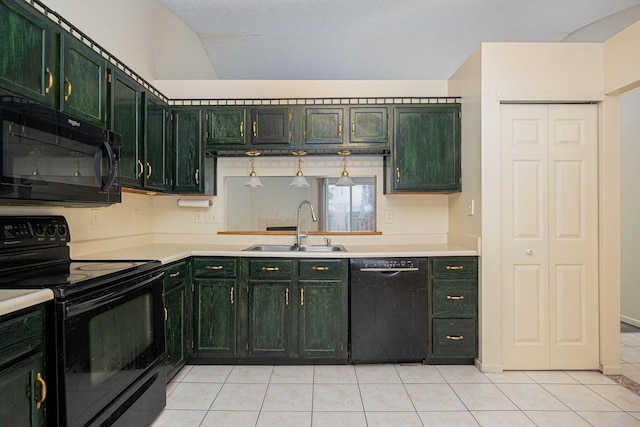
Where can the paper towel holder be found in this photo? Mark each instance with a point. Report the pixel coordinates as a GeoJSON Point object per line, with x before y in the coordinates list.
{"type": "Point", "coordinates": [195, 203]}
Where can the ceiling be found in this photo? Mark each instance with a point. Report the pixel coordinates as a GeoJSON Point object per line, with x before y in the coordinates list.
{"type": "Point", "coordinates": [382, 39]}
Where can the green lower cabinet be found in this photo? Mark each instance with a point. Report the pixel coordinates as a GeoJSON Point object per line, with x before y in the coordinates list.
{"type": "Point", "coordinates": [269, 318]}
{"type": "Point", "coordinates": [215, 317]}
{"type": "Point", "coordinates": [321, 322]}
{"type": "Point", "coordinates": [454, 338]}
{"type": "Point", "coordinates": [22, 368]}
{"type": "Point", "coordinates": [177, 303]}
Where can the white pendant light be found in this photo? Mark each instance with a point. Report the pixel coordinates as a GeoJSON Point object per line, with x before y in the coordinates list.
{"type": "Point", "coordinates": [299, 180]}
{"type": "Point", "coordinates": [344, 180]}
{"type": "Point", "coordinates": [253, 180]}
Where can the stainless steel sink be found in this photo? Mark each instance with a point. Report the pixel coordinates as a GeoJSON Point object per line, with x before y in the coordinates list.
{"type": "Point", "coordinates": [293, 248]}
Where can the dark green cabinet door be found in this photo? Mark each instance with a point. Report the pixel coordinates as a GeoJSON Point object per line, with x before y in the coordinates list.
{"type": "Point", "coordinates": [323, 125]}
{"type": "Point", "coordinates": [321, 319]}
{"type": "Point", "coordinates": [271, 125]}
{"type": "Point", "coordinates": [226, 126]}
{"type": "Point", "coordinates": [28, 54]}
{"type": "Point", "coordinates": [369, 124]}
{"type": "Point", "coordinates": [269, 318]}
{"type": "Point", "coordinates": [20, 389]}
{"type": "Point", "coordinates": [83, 81]}
{"type": "Point", "coordinates": [155, 143]}
{"type": "Point", "coordinates": [175, 301]}
{"type": "Point", "coordinates": [426, 152]}
{"type": "Point", "coordinates": [125, 121]}
{"type": "Point", "coordinates": [215, 317]}
{"type": "Point", "coordinates": [187, 151]}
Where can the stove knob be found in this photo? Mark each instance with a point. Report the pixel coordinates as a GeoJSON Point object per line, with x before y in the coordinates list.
{"type": "Point", "coordinates": [38, 229]}
{"type": "Point", "coordinates": [51, 230]}
{"type": "Point", "coordinates": [62, 230]}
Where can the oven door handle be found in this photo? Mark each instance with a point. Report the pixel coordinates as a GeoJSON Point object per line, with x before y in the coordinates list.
{"type": "Point", "coordinates": [75, 309]}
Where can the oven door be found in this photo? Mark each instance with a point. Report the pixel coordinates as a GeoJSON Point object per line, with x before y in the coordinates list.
{"type": "Point", "coordinates": [109, 341]}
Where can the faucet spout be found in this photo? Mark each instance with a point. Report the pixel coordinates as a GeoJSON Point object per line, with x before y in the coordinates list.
{"type": "Point", "coordinates": [300, 235]}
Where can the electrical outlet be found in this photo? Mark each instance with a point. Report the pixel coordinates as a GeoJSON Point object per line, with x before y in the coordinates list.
{"type": "Point", "coordinates": [471, 209]}
{"type": "Point", "coordinates": [388, 217]}
{"type": "Point", "coordinates": [199, 217]}
{"type": "Point", "coordinates": [211, 216]}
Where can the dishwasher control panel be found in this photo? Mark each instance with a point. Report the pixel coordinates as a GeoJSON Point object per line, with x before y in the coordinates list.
{"type": "Point", "coordinates": [385, 263]}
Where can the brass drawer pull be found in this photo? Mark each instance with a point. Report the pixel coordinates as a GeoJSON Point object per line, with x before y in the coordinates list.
{"type": "Point", "coordinates": [43, 393]}
{"type": "Point", "coordinates": [454, 267]}
{"type": "Point", "coordinates": [176, 274]}
{"type": "Point", "coordinates": [47, 71]}
{"type": "Point", "coordinates": [455, 337]}
{"type": "Point", "coordinates": [455, 298]}
{"type": "Point", "coordinates": [215, 267]}
{"type": "Point", "coordinates": [319, 268]}
{"type": "Point", "coordinates": [270, 269]}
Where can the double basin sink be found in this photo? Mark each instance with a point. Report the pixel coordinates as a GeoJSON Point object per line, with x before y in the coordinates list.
{"type": "Point", "coordinates": [296, 248]}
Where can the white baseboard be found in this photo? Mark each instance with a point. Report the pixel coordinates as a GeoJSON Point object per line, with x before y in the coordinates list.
{"type": "Point", "coordinates": [630, 321]}
{"type": "Point", "coordinates": [487, 368]}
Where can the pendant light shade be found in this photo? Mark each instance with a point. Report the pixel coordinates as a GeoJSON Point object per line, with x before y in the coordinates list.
{"type": "Point", "coordinates": [299, 180]}
{"type": "Point", "coordinates": [344, 180]}
{"type": "Point", "coordinates": [253, 180]}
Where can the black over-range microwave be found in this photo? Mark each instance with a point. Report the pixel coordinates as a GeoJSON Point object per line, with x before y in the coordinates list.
{"type": "Point", "coordinates": [48, 157]}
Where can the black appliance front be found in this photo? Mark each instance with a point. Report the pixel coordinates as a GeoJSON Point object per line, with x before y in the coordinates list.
{"type": "Point", "coordinates": [112, 344]}
{"type": "Point", "coordinates": [388, 310]}
{"type": "Point", "coordinates": [48, 157]}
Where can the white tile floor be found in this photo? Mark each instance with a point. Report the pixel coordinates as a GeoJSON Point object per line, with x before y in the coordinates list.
{"type": "Point", "coordinates": [400, 395]}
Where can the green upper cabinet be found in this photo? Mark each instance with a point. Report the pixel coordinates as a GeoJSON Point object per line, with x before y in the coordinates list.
{"type": "Point", "coordinates": [426, 150]}
{"type": "Point", "coordinates": [29, 61]}
{"type": "Point", "coordinates": [369, 125]}
{"type": "Point", "coordinates": [225, 126]}
{"type": "Point", "coordinates": [125, 120]}
{"type": "Point", "coordinates": [187, 150]}
{"type": "Point", "coordinates": [323, 125]}
{"type": "Point", "coordinates": [156, 141]}
{"type": "Point", "coordinates": [84, 77]}
{"type": "Point", "coordinates": [271, 126]}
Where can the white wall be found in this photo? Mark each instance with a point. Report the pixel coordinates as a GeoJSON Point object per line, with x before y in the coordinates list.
{"type": "Point", "coordinates": [143, 34]}
{"type": "Point", "coordinates": [630, 206]}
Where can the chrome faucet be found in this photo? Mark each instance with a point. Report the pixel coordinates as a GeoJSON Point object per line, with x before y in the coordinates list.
{"type": "Point", "coordinates": [300, 235]}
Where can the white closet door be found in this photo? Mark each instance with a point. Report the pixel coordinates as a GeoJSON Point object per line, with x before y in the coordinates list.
{"type": "Point", "coordinates": [549, 237]}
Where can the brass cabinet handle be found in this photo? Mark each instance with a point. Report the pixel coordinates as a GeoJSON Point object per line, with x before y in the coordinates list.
{"type": "Point", "coordinates": [231, 295]}
{"type": "Point", "coordinates": [302, 296]}
{"type": "Point", "coordinates": [397, 174]}
{"type": "Point", "coordinates": [48, 72]}
{"type": "Point", "coordinates": [353, 127]}
{"type": "Point", "coordinates": [340, 129]}
{"type": "Point", "coordinates": [255, 129]}
{"type": "Point", "coordinates": [215, 267]}
{"type": "Point", "coordinates": [43, 393]}
{"type": "Point", "coordinates": [270, 269]}
{"type": "Point", "coordinates": [150, 170]}
{"type": "Point", "coordinates": [241, 128]}
{"type": "Point", "coordinates": [197, 175]}
{"type": "Point", "coordinates": [454, 267]}
{"type": "Point", "coordinates": [140, 168]}
{"type": "Point", "coordinates": [455, 298]}
{"type": "Point", "coordinates": [455, 337]}
{"type": "Point", "coordinates": [320, 268]}
{"type": "Point", "coordinates": [69, 88]}
{"type": "Point", "coordinates": [176, 274]}
{"type": "Point", "coordinates": [166, 314]}
{"type": "Point", "coordinates": [286, 296]}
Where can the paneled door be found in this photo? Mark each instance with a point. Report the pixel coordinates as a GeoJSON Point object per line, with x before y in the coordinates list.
{"type": "Point", "coordinates": [549, 237]}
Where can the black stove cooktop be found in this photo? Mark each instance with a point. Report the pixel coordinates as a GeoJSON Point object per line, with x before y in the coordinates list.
{"type": "Point", "coordinates": [34, 254]}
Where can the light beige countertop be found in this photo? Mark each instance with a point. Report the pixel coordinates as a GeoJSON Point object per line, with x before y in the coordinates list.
{"type": "Point", "coordinates": [167, 253]}
{"type": "Point", "coordinates": [16, 299]}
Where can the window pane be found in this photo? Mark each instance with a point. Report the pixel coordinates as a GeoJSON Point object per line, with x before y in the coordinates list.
{"type": "Point", "coordinates": [351, 208]}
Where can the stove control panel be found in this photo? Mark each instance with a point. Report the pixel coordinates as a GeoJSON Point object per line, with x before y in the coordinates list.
{"type": "Point", "coordinates": [19, 231]}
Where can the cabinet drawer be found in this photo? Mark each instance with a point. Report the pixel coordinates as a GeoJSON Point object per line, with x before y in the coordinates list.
{"type": "Point", "coordinates": [175, 274]}
{"type": "Point", "coordinates": [454, 338]}
{"type": "Point", "coordinates": [322, 268]}
{"type": "Point", "coordinates": [454, 298]}
{"type": "Point", "coordinates": [454, 266]}
{"type": "Point", "coordinates": [215, 267]}
{"type": "Point", "coordinates": [270, 268]}
{"type": "Point", "coordinates": [20, 334]}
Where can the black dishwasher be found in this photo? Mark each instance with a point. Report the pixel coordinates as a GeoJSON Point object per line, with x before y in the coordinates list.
{"type": "Point", "coordinates": [388, 303]}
